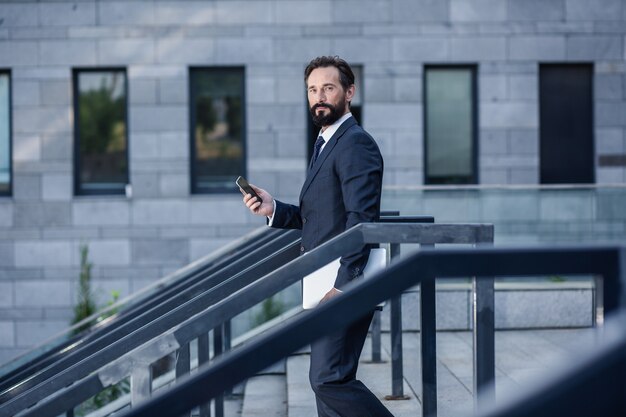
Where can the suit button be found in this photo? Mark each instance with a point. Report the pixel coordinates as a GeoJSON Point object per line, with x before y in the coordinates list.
{"type": "Point", "coordinates": [304, 220]}
{"type": "Point", "coordinates": [301, 248]}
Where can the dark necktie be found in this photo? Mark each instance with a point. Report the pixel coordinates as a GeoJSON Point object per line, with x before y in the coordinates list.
{"type": "Point", "coordinates": [318, 146]}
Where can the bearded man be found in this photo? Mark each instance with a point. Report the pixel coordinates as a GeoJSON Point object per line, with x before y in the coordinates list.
{"type": "Point", "coordinates": [342, 189]}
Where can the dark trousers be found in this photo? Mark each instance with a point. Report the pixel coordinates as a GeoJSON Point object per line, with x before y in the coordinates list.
{"type": "Point", "coordinates": [334, 362]}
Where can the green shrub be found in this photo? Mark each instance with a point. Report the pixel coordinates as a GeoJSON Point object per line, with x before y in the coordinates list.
{"type": "Point", "coordinates": [270, 308]}
{"type": "Point", "coordinates": [87, 306]}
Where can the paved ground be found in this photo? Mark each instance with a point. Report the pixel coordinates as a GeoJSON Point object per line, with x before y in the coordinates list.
{"type": "Point", "coordinates": [283, 390]}
{"type": "Point", "coordinates": [521, 356]}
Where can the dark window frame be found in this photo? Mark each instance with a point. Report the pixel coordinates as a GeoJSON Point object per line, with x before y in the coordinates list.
{"type": "Point", "coordinates": [78, 190]}
{"type": "Point", "coordinates": [193, 187]}
{"type": "Point", "coordinates": [9, 191]}
{"type": "Point", "coordinates": [473, 68]}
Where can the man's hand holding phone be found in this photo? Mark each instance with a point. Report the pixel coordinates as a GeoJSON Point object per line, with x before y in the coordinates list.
{"type": "Point", "coordinates": [259, 201]}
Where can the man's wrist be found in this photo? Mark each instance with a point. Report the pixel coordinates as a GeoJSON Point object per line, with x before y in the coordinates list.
{"type": "Point", "coordinates": [270, 219]}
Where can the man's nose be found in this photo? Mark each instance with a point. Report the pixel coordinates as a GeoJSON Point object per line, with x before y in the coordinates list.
{"type": "Point", "coordinates": [321, 97]}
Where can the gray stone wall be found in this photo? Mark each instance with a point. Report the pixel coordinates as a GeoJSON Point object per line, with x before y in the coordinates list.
{"type": "Point", "coordinates": [135, 240]}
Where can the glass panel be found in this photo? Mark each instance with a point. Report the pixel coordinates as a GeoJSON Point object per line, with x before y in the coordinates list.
{"type": "Point", "coordinates": [449, 125]}
{"type": "Point", "coordinates": [522, 214]}
{"type": "Point", "coordinates": [5, 134]}
{"type": "Point", "coordinates": [218, 128]}
{"type": "Point", "coordinates": [101, 129]}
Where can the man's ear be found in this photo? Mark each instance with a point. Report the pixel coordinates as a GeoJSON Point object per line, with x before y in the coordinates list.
{"type": "Point", "coordinates": [350, 92]}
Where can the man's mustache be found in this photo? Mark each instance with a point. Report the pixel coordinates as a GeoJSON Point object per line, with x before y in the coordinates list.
{"type": "Point", "coordinates": [322, 106]}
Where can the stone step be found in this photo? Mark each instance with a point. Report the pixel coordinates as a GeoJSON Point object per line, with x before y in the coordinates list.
{"type": "Point", "coordinates": [300, 397]}
{"type": "Point", "coordinates": [265, 394]}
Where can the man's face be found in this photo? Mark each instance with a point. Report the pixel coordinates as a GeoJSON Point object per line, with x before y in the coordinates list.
{"type": "Point", "coordinates": [328, 101]}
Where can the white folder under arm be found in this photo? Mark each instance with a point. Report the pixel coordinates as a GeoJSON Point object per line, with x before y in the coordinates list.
{"type": "Point", "coordinates": [317, 284]}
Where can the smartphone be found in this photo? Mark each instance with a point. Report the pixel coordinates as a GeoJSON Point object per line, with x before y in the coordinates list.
{"type": "Point", "coordinates": [243, 184]}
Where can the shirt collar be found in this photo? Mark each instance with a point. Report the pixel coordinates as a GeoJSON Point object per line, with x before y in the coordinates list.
{"type": "Point", "coordinates": [330, 130]}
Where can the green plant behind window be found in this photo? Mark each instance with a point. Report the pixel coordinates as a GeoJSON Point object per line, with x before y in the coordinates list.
{"type": "Point", "coordinates": [270, 308]}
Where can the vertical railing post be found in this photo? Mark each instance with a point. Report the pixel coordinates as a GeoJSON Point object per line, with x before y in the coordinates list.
{"type": "Point", "coordinates": [183, 365]}
{"type": "Point", "coordinates": [376, 345]}
{"type": "Point", "coordinates": [140, 383]}
{"type": "Point", "coordinates": [203, 358]}
{"type": "Point", "coordinates": [376, 320]}
{"type": "Point", "coordinates": [597, 318]}
{"type": "Point", "coordinates": [428, 343]}
{"type": "Point", "coordinates": [397, 377]}
{"type": "Point", "coordinates": [484, 351]}
{"type": "Point", "coordinates": [484, 341]}
{"type": "Point", "coordinates": [228, 346]}
{"type": "Point", "coordinates": [218, 348]}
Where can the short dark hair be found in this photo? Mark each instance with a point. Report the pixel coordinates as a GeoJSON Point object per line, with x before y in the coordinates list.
{"type": "Point", "coordinates": [346, 76]}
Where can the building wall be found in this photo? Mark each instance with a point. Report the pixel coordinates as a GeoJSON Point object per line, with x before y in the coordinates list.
{"type": "Point", "coordinates": [161, 227]}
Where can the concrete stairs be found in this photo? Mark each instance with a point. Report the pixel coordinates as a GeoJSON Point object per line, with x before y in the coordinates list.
{"type": "Point", "coordinates": [265, 394]}
{"type": "Point", "coordinates": [288, 394]}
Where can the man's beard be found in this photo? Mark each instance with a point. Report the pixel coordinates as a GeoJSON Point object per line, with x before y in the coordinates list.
{"type": "Point", "coordinates": [324, 119]}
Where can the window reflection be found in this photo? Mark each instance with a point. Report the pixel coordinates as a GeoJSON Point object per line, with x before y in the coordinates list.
{"type": "Point", "coordinates": [218, 128]}
{"type": "Point", "coordinates": [450, 125]}
{"type": "Point", "coordinates": [101, 129]}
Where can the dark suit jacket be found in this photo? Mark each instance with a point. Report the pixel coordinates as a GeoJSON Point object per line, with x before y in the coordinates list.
{"type": "Point", "coordinates": [342, 189]}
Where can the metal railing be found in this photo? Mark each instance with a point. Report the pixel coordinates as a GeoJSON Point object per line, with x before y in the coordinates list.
{"type": "Point", "coordinates": [61, 345]}
{"type": "Point", "coordinates": [167, 334]}
{"type": "Point", "coordinates": [146, 324]}
{"type": "Point", "coordinates": [608, 262]}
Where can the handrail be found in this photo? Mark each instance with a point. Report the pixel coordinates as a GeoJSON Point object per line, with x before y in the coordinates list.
{"type": "Point", "coordinates": [63, 343]}
{"type": "Point", "coordinates": [228, 370]}
{"type": "Point", "coordinates": [229, 301]}
{"type": "Point", "coordinates": [64, 339]}
{"type": "Point", "coordinates": [69, 370]}
{"type": "Point", "coordinates": [154, 313]}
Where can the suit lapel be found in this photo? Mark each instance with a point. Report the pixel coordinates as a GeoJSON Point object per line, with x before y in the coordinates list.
{"type": "Point", "coordinates": [313, 170]}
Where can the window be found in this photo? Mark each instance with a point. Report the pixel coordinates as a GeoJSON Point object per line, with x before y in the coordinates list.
{"type": "Point", "coordinates": [356, 107]}
{"type": "Point", "coordinates": [566, 149]}
{"type": "Point", "coordinates": [100, 129]}
{"type": "Point", "coordinates": [450, 125]}
{"type": "Point", "coordinates": [5, 133]}
{"type": "Point", "coordinates": [217, 128]}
